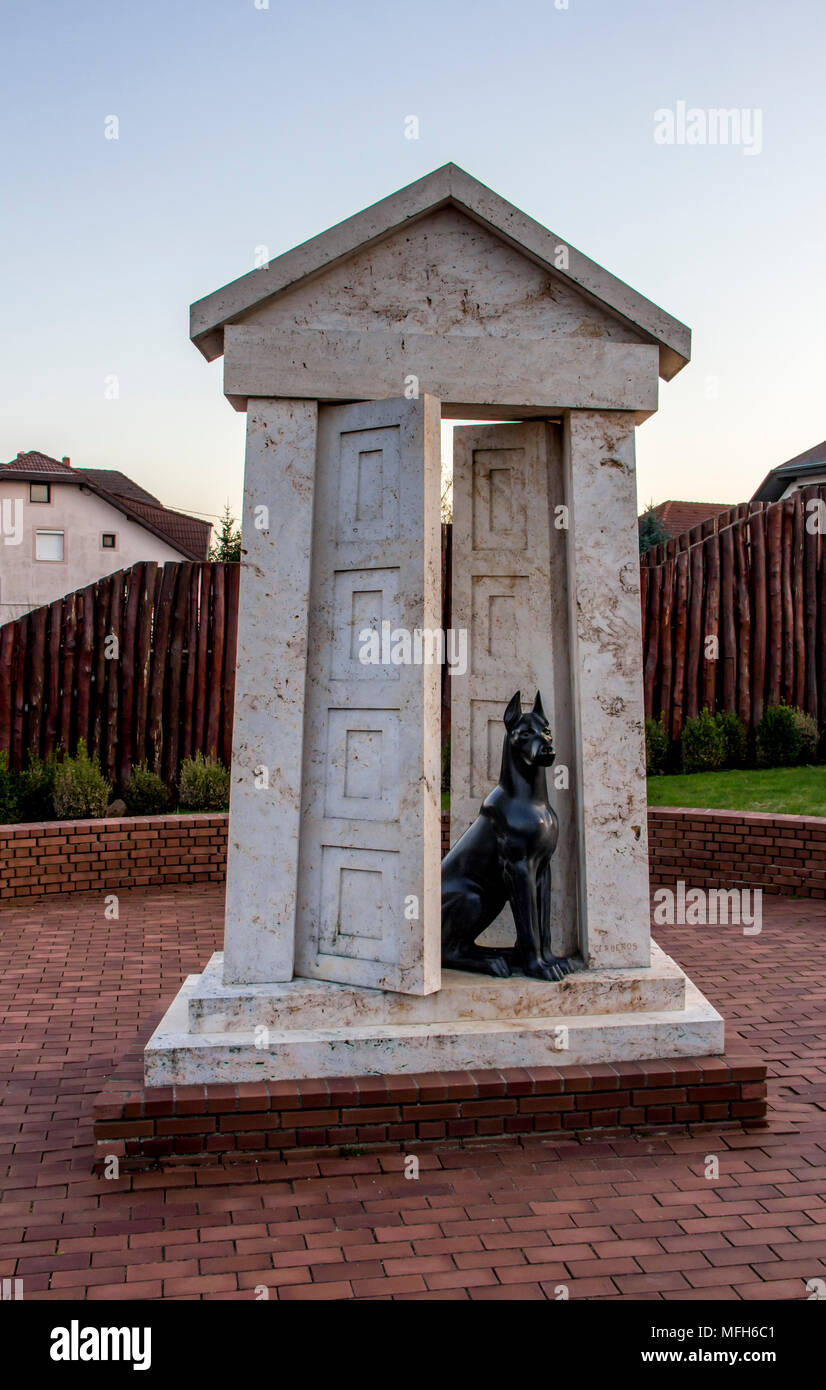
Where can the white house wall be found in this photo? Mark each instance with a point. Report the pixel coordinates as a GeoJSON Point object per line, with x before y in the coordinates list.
{"type": "Point", "coordinates": [26, 583]}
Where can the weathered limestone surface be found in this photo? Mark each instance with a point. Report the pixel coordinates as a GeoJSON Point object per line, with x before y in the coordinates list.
{"type": "Point", "coordinates": [470, 374]}
{"type": "Point", "coordinates": [262, 859]}
{"type": "Point", "coordinates": [177, 1056]}
{"type": "Point", "coordinates": [446, 189]}
{"type": "Point", "coordinates": [606, 670]}
{"type": "Point", "coordinates": [369, 899]}
{"type": "Point", "coordinates": [217, 1007]}
{"type": "Point", "coordinates": [365, 325]}
{"type": "Point", "coordinates": [477, 285]}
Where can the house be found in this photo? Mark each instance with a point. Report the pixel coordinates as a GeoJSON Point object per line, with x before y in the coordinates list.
{"type": "Point", "coordinates": [62, 528]}
{"type": "Point", "coordinates": [677, 517]}
{"type": "Point", "coordinates": [802, 471]}
{"type": "Point", "coordinates": [805, 470]}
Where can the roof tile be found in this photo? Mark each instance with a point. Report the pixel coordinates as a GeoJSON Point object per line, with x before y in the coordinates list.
{"type": "Point", "coordinates": [679, 517]}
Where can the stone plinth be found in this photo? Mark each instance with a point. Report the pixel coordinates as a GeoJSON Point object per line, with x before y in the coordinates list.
{"type": "Point", "coordinates": [219, 1032]}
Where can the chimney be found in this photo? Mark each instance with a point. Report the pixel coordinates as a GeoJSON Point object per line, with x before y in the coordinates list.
{"type": "Point", "coordinates": [66, 460]}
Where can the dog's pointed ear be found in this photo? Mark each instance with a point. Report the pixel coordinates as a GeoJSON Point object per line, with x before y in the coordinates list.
{"type": "Point", "coordinates": [537, 706]}
{"type": "Point", "coordinates": [514, 710]}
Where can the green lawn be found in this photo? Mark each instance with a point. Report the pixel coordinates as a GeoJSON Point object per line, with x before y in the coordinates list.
{"type": "Point", "coordinates": [790, 791]}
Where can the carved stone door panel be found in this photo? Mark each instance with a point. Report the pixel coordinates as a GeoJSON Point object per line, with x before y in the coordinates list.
{"type": "Point", "coordinates": [368, 877]}
{"type": "Point", "coordinates": [510, 594]}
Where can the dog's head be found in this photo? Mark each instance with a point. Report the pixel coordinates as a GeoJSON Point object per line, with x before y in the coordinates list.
{"type": "Point", "coordinates": [529, 735]}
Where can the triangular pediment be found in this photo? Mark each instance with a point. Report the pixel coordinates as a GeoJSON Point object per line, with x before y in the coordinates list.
{"type": "Point", "coordinates": [445, 255]}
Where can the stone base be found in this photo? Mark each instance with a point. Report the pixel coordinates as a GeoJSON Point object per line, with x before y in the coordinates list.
{"type": "Point", "coordinates": [214, 1032]}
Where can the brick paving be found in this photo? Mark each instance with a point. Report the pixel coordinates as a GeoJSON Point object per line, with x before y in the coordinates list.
{"type": "Point", "coordinates": [623, 1218]}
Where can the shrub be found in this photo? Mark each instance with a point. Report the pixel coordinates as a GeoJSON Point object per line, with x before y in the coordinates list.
{"type": "Point", "coordinates": [785, 736]}
{"type": "Point", "coordinates": [80, 789]}
{"type": "Point", "coordinates": [778, 738]}
{"type": "Point", "coordinates": [144, 792]}
{"type": "Point", "coordinates": [809, 737]}
{"type": "Point", "coordinates": [703, 746]}
{"type": "Point", "coordinates": [656, 746]}
{"type": "Point", "coordinates": [735, 737]}
{"type": "Point", "coordinates": [204, 784]}
{"type": "Point", "coordinates": [8, 792]}
{"type": "Point", "coordinates": [36, 786]}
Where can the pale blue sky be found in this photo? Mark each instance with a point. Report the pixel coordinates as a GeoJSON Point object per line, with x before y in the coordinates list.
{"type": "Point", "coordinates": [242, 126]}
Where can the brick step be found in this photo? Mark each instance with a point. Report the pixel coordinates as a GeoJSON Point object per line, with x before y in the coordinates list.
{"type": "Point", "coordinates": [164, 1127]}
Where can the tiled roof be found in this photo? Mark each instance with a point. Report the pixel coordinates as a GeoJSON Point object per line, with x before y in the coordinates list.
{"type": "Point", "coordinates": [118, 483]}
{"type": "Point", "coordinates": [35, 462]}
{"type": "Point", "coordinates": [188, 534]}
{"type": "Point", "coordinates": [775, 483]}
{"type": "Point", "coordinates": [678, 517]}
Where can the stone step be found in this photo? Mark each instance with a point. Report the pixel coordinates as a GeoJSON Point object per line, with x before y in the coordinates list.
{"type": "Point", "coordinates": [175, 1055]}
{"type": "Point", "coordinates": [216, 1007]}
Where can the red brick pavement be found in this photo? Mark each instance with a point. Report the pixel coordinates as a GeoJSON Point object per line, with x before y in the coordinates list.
{"type": "Point", "coordinates": [632, 1218]}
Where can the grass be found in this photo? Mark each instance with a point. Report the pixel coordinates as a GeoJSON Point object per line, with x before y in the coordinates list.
{"type": "Point", "coordinates": [784, 791]}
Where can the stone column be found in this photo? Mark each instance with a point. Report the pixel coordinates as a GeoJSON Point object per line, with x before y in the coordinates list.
{"type": "Point", "coordinates": [606, 670]}
{"type": "Point", "coordinates": [265, 805]}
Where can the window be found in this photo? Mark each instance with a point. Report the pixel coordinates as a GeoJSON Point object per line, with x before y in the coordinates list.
{"type": "Point", "coordinates": [40, 492]}
{"type": "Point", "coordinates": [108, 540]}
{"type": "Point", "coordinates": [48, 545]}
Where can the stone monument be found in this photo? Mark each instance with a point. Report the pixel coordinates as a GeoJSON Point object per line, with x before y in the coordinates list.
{"type": "Point", "coordinates": [441, 300]}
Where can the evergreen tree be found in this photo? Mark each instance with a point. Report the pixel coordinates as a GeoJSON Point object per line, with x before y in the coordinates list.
{"type": "Point", "coordinates": [652, 531]}
{"type": "Point", "coordinates": [227, 543]}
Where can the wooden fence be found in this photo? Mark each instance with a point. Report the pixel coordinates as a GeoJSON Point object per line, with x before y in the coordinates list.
{"type": "Point", "coordinates": [140, 664]}
{"type": "Point", "coordinates": [160, 692]}
{"type": "Point", "coordinates": [735, 619]}
{"type": "Point", "coordinates": [669, 549]}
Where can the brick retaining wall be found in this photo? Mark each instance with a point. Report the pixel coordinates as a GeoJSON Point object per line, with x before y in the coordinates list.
{"type": "Point", "coordinates": [725, 849]}
{"type": "Point", "coordinates": [56, 856]}
{"type": "Point", "coordinates": [738, 849]}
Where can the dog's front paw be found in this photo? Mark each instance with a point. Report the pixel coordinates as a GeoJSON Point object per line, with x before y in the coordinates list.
{"type": "Point", "coordinates": [560, 965]}
{"type": "Point", "coordinates": [552, 968]}
{"type": "Point", "coordinates": [479, 960]}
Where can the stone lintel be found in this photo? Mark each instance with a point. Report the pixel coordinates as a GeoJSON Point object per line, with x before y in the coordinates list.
{"type": "Point", "coordinates": [465, 372]}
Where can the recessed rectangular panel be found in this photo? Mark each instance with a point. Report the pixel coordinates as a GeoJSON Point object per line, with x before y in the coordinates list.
{"type": "Point", "coordinates": [361, 770]}
{"type": "Point", "coordinates": [498, 482]}
{"type": "Point", "coordinates": [486, 735]}
{"type": "Point", "coordinates": [362, 601]}
{"type": "Point", "coordinates": [362, 764]}
{"type": "Point", "coordinates": [368, 485]}
{"type": "Point", "coordinates": [497, 610]}
{"type": "Point", "coordinates": [500, 500]}
{"type": "Point", "coordinates": [370, 489]}
{"type": "Point", "coordinates": [359, 909]}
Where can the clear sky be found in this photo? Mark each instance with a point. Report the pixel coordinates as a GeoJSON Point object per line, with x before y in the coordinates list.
{"type": "Point", "coordinates": [242, 126]}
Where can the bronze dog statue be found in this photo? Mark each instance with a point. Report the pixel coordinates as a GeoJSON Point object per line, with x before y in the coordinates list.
{"type": "Point", "coordinates": [505, 856]}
